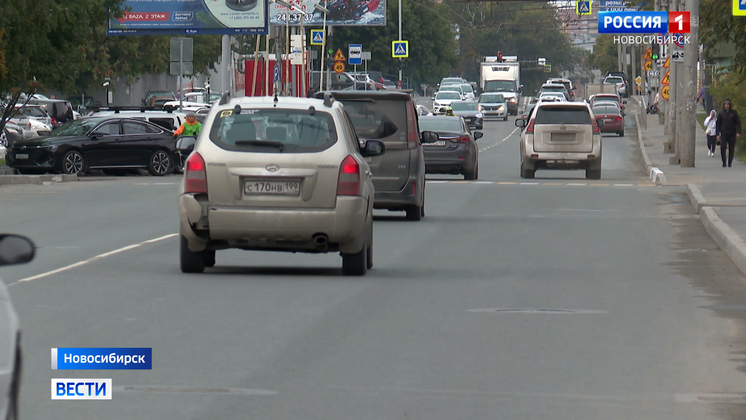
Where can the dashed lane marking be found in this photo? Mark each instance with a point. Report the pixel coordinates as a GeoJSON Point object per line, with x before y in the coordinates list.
{"type": "Point", "coordinates": [500, 142]}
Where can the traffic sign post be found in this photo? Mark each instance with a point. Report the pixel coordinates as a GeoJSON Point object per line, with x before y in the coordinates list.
{"type": "Point", "coordinates": [355, 54]}
{"type": "Point", "coordinates": [678, 57]}
{"type": "Point", "coordinates": [667, 78]}
{"type": "Point", "coordinates": [648, 65]}
{"type": "Point", "coordinates": [548, 68]}
{"type": "Point", "coordinates": [400, 49]}
{"type": "Point", "coordinates": [339, 66]}
{"type": "Point", "coordinates": [739, 8]}
{"type": "Point", "coordinates": [339, 55]}
{"type": "Point", "coordinates": [583, 7]}
{"type": "Point", "coordinates": [648, 54]}
{"type": "Point", "coordinates": [667, 63]}
{"type": "Point", "coordinates": [665, 92]}
{"type": "Point", "coordinates": [317, 37]}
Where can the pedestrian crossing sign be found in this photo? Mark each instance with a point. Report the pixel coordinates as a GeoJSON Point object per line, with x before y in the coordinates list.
{"type": "Point", "coordinates": [317, 37]}
{"type": "Point", "coordinates": [739, 7]}
{"type": "Point", "coordinates": [400, 49]}
{"type": "Point", "coordinates": [583, 7]}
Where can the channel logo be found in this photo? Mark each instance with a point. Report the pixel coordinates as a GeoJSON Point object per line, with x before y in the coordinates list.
{"type": "Point", "coordinates": [643, 22]}
{"type": "Point", "coordinates": [81, 389]}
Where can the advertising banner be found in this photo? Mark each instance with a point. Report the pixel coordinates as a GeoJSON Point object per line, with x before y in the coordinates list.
{"type": "Point", "coordinates": [341, 13]}
{"type": "Point", "coordinates": [190, 17]}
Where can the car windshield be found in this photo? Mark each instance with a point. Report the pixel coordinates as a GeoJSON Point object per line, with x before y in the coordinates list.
{"type": "Point", "coordinates": [464, 106]}
{"type": "Point", "coordinates": [552, 88]}
{"type": "Point", "coordinates": [453, 88]}
{"type": "Point", "coordinates": [448, 95]}
{"type": "Point", "coordinates": [499, 86]}
{"type": "Point", "coordinates": [373, 118]}
{"type": "Point", "coordinates": [562, 115]}
{"type": "Point", "coordinates": [606, 110]}
{"type": "Point", "coordinates": [614, 80]}
{"type": "Point", "coordinates": [78, 127]}
{"type": "Point", "coordinates": [492, 98]}
{"type": "Point", "coordinates": [450, 80]}
{"type": "Point", "coordinates": [467, 88]}
{"type": "Point", "coordinates": [607, 100]}
{"type": "Point", "coordinates": [441, 124]}
{"type": "Point", "coordinates": [33, 111]}
{"type": "Point", "coordinates": [273, 131]}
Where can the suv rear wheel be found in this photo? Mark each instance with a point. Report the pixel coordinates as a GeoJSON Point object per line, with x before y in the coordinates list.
{"type": "Point", "coordinates": [527, 173]}
{"type": "Point", "coordinates": [593, 173]}
{"type": "Point", "coordinates": [191, 262]}
{"type": "Point", "coordinates": [356, 264]}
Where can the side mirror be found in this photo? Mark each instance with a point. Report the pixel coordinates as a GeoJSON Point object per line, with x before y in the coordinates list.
{"type": "Point", "coordinates": [16, 249]}
{"type": "Point", "coordinates": [185, 144]}
{"type": "Point", "coordinates": [478, 135]}
{"type": "Point", "coordinates": [429, 137]}
{"type": "Point", "coordinates": [600, 123]}
{"type": "Point", "coordinates": [520, 122]}
{"type": "Point", "coordinates": [373, 148]}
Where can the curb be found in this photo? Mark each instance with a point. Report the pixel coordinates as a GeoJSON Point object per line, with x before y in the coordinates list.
{"type": "Point", "coordinates": [655, 174]}
{"type": "Point", "coordinates": [725, 238]}
{"type": "Point", "coordinates": [35, 179]}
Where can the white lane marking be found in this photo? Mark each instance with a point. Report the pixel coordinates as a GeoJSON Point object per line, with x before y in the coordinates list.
{"type": "Point", "coordinates": [97, 257]}
{"type": "Point", "coordinates": [499, 142]}
{"type": "Point", "coordinates": [537, 311]}
{"type": "Point", "coordinates": [483, 182]}
{"type": "Point", "coordinates": [438, 182]}
{"type": "Point", "coordinates": [576, 183]}
{"type": "Point", "coordinates": [622, 185]}
{"type": "Point", "coordinates": [528, 183]}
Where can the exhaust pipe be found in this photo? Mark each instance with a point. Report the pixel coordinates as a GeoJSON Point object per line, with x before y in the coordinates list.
{"type": "Point", "coordinates": [320, 239]}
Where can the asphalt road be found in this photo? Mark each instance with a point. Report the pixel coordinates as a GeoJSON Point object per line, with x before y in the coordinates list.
{"type": "Point", "coordinates": [558, 298]}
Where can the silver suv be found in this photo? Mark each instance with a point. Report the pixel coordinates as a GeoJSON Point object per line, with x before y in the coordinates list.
{"type": "Point", "coordinates": [561, 135]}
{"type": "Point", "coordinates": [288, 174]}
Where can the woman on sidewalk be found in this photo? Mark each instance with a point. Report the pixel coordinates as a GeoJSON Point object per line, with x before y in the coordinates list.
{"type": "Point", "coordinates": [711, 131]}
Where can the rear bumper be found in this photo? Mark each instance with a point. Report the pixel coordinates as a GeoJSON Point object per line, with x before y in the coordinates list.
{"type": "Point", "coordinates": [399, 200]}
{"type": "Point", "coordinates": [563, 160]}
{"type": "Point", "coordinates": [292, 229]}
{"type": "Point", "coordinates": [456, 162]}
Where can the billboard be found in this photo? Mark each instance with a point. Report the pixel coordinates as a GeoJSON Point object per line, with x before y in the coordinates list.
{"type": "Point", "coordinates": [341, 13]}
{"type": "Point", "coordinates": [190, 17]}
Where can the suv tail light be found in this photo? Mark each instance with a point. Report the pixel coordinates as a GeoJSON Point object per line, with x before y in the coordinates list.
{"type": "Point", "coordinates": [596, 130]}
{"type": "Point", "coordinates": [54, 122]}
{"type": "Point", "coordinates": [349, 177]}
{"type": "Point", "coordinates": [530, 127]}
{"type": "Point", "coordinates": [413, 137]}
{"type": "Point", "coordinates": [196, 175]}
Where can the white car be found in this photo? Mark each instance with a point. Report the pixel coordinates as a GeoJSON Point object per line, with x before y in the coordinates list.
{"type": "Point", "coordinates": [547, 95]}
{"type": "Point", "coordinates": [14, 249]}
{"type": "Point", "coordinates": [284, 174]}
{"type": "Point", "coordinates": [621, 87]}
{"type": "Point", "coordinates": [444, 99]}
{"type": "Point", "coordinates": [422, 111]}
{"type": "Point", "coordinates": [468, 92]}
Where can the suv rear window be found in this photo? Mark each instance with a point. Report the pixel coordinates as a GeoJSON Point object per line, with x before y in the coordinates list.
{"type": "Point", "coordinates": [562, 115]}
{"type": "Point", "coordinates": [273, 131]}
{"type": "Point", "coordinates": [370, 117]}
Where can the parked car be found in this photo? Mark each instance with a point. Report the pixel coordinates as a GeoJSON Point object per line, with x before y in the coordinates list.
{"type": "Point", "coordinates": [14, 249]}
{"type": "Point", "coordinates": [389, 85]}
{"type": "Point", "coordinates": [165, 94]}
{"type": "Point", "coordinates": [36, 112]}
{"type": "Point", "coordinates": [470, 113]}
{"type": "Point", "coordinates": [97, 143]}
{"type": "Point", "coordinates": [561, 135]}
{"type": "Point", "coordinates": [170, 120]}
{"type": "Point", "coordinates": [456, 150]}
{"type": "Point", "coordinates": [612, 117]}
{"type": "Point", "coordinates": [59, 110]}
{"type": "Point", "coordinates": [82, 101]}
{"type": "Point", "coordinates": [304, 183]}
{"type": "Point", "coordinates": [11, 133]}
{"type": "Point", "coordinates": [399, 175]}
{"type": "Point", "coordinates": [493, 105]}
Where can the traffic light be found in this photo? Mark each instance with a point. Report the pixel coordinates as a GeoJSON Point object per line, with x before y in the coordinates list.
{"type": "Point", "coordinates": [656, 51]}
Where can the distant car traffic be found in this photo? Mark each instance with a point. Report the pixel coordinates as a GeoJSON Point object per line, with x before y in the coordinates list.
{"type": "Point", "coordinates": [554, 88]}
{"type": "Point", "coordinates": [493, 105]}
{"type": "Point", "coordinates": [470, 112]}
{"type": "Point", "coordinates": [619, 82]}
{"type": "Point", "coordinates": [422, 111]}
{"type": "Point", "coordinates": [97, 143]}
{"type": "Point", "coordinates": [304, 183]}
{"type": "Point", "coordinates": [443, 100]}
{"type": "Point", "coordinates": [561, 135]}
{"type": "Point", "coordinates": [456, 151]}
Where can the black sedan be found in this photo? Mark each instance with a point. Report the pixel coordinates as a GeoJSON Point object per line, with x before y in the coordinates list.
{"type": "Point", "coordinates": [470, 111]}
{"type": "Point", "coordinates": [456, 152]}
{"type": "Point", "coordinates": [108, 143]}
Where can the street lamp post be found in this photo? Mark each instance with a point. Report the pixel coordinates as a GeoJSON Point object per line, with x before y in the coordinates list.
{"type": "Point", "coordinates": [325, 11]}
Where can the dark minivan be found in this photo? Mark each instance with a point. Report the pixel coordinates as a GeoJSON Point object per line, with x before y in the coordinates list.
{"type": "Point", "coordinates": [60, 110]}
{"type": "Point", "coordinates": [398, 175]}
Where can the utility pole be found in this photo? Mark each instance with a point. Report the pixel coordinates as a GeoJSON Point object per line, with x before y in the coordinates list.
{"type": "Point", "coordinates": [691, 50]}
{"type": "Point", "coordinates": [644, 87]}
{"type": "Point", "coordinates": [680, 95]}
{"type": "Point", "coordinates": [633, 70]}
{"type": "Point", "coordinates": [670, 147]}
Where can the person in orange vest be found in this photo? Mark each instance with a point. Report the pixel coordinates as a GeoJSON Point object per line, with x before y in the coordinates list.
{"type": "Point", "coordinates": [190, 127]}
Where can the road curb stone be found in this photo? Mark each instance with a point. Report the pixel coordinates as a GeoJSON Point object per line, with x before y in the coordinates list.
{"type": "Point", "coordinates": [35, 179]}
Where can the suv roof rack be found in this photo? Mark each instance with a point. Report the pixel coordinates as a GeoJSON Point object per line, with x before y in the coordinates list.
{"type": "Point", "coordinates": [118, 109]}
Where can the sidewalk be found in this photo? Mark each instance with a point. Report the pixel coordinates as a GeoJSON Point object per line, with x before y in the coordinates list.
{"type": "Point", "coordinates": [717, 194]}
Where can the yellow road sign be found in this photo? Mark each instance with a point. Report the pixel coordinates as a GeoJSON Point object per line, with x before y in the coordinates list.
{"type": "Point", "coordinates": [339, 66]}
{"type": "Point", "coordinates": [648, 65]}
{"type": "Point", "coordinates": [739, 8]}
{"type": "Point", "coordinates": [583, 7]}
{"type": "Point", "coordinates": [665, 92]}
{"type": "Point", "coordinates": [339, 56]}
{"type": "Point", "coordinates": [648, 54]}
{"type": "Point", "coordinates": [667, 63]}
{"type": "Point", "coordinates": [638, 80]}
{"type": "Point", "coordinates": [666, 80]}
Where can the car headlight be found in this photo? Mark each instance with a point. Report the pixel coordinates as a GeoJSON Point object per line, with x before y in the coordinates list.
{"type": "Point", "coordinates": [512, 100]}
{"type": "Point", "coordinates": [436, 104]}
{"type": "Point", "coordinates": [501, 108]}
{"type": "Point", "coordinates": [479, 115]}
{"type": "Point", "coordinates": [51, 147]}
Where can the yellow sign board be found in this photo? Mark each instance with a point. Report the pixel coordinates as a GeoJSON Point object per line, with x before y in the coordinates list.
{"type": "Point", "coordinates": [667, 64]}
{"type": "Point", "coordinates": [339, 66]}
{"type": "Point", "coordinates": [583, 7]}
{"type": "Point", "coordinates": [665, 92]}
{"type": "Point", "coordinates": [648, 65]}
{"type": "Point", "coordinates": [648, 54]}
{"type": "Point", "coordinates": [739, 8]}
{"type": "Point", "coordinates": [339, 56]}
{"type": "Point", "coordinates": [666, 80]}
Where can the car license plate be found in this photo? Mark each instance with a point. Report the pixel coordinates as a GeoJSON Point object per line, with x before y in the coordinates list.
{"type": "Point", "coordinates": [440, 143]}
{"type": "Point", "coordinates": [263, 187]}
{"type": "Point", "coordinates": [21, 156]}
{"type": "Point", "coordinates": [608, 120]}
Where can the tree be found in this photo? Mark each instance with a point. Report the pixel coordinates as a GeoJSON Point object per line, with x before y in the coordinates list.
{"type": "Point", "coordinates": [604, 55]}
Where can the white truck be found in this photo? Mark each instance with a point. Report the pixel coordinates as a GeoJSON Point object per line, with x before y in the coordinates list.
{"type": "Point", "coordinates": [504, 77]}
{"type": "Point", "coordinates": [596, 88]}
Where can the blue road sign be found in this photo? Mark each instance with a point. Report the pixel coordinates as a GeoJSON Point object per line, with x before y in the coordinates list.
{"type": "Point", "coordinates": [317, 37]}
{"type": "Point", "coordinates": [277, 73]}
{"type": "Point", "coordinates": [583, 7]}
{"type": "Point", "coordinates": [400, 49]}
{"type": "Point", "coordinates": [355, 54]}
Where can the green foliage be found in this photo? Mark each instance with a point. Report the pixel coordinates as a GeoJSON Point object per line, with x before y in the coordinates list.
{"type": "Point", "coordinates": [717, 24]}
{"type": "Point", "coordinates": [604, 55]}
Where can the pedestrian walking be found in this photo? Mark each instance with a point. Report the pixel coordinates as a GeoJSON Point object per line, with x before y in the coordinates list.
{"type": "Point", "coordinates": [711, 131]}
{"type": "Point", "coordinates": [728, 130]}
{"type": "Point", "coordinates": [701, 97]}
